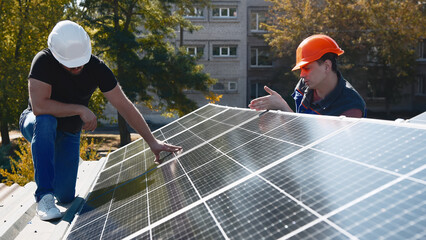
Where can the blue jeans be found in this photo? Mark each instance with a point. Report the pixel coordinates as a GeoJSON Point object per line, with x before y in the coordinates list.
{"type": "Point", "coordinates": [55, 156]}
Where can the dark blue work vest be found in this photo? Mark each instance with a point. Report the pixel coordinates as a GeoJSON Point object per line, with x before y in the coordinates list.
{"type": "Point", "coordinates": [344, 97]}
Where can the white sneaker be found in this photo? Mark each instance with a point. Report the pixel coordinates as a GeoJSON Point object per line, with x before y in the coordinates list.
{"type": "Point", "coordinates": [46, 208]}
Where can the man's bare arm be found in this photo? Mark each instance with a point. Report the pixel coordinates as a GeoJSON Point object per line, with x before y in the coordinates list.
{"type": "Point", "coordinates": [135, 119]}
{"type": "Point", "coordinates": [41, 103]}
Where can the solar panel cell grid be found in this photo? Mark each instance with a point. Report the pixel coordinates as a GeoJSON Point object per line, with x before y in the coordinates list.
{"type": "Point", "coordinates": [194, 159]}
{"type": "Point", "coordinates": [211, 133]}
{"type": "Point", "coordinates": [420, 175]}
{"type": "Point", "coordinates": [92, 230]}
{"type": "Point", "coordinates": [128, 189]}
{"type": "Point", "coordinates": [117, 153]}
{"type": "Point", "coordinates": [275, 175]}
{"type": "Point", "coordinates": [127, 219]}
{"type": "Point", "coordinates": [232, 139]}
{"type": "Point", "coordinates": [255, 210]}
{"type": "Point", "coordinates": [136, 162]}
{"type": "Point", "coordinates": [171, 197]}
{"type": "Point", "coordinates": [209, 129]}
{"type": "Point", "coordinates": [321, 230]}
{"type": "Point", "coordinates": [143, 236]}
{"type": "Point", "coordinates": [116, 158]}
{"type": "Point", "coordinates": [172, 130]}
{"type": "Point", "coordinates": [216, 174]}
{"type": "Point", "coordinates": [107, 173]}
{"type": "Point", "coordinates": [137, 147]}
{"type": "Point", "coordinates": [240, 117]}
{"type": "Point", "coordinates": [225, 115]}
{"type": "Point", "coordinates": [186, 140]}
{"type": "Point", "coordinates": [94, 209]}
{"type": "Point", "coordinates": [191, 120]}
{"type": "Point", "coordinates": [210, 110]}
{"type": "Point", "coordinates": [261, 151]}
{"type": "Point", "coordinates": [158, 135]}
{"type": "Point", "coordinates": [160, 176]}
{"type": "Point", "coordinates": [323, 182]}
{"type": "Point", "coordinates": [266, 122]}
{"type": "Point", "coordinates": [305, 130]}
{"type": "Point", "coordinates": [196, 223]}
{"type": "Point", "coordinates": [402, 152]}
{"type": "Point", "coordinates": [397, 212]}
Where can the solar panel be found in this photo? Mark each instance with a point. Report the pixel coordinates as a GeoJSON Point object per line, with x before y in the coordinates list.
{"type": "Point", "coordinates": [421, 119]}
{"type": "Point", "coordinates": [272, 175]}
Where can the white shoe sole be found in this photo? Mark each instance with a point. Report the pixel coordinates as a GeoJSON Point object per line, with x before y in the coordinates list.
{"type": "Point", "coordinates": [47, 218]}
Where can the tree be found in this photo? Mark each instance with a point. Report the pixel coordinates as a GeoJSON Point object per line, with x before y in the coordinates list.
{"type": "Point", "coordinates": [384, 30]}
{"type": "Point", "coordinates": [132, 37]}
{"type": "Point", "coordinates": [24, 27]}
{"type": "Point", "coordinates": [391, 38]}
{"type": "Point", "coordinates": [21, 169]}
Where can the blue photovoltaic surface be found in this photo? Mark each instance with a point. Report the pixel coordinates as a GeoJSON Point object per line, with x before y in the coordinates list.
{"type": "Point", "coordinates": [246, 175]}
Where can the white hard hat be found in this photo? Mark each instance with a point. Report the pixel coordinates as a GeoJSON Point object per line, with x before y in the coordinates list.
{"type": "Point", "coordinates": [70, 44]}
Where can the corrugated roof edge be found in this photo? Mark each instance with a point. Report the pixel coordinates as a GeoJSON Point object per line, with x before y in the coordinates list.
{"type": "Point", "coordinates": [18, 219]}
{"type": "Point", "coordinates": [18, 207]}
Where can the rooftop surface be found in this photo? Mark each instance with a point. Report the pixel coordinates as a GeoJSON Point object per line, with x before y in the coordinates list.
{"type": "Point", "coordinates": [17, 207]}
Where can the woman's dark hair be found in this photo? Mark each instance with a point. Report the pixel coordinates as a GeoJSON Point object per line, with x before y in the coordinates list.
{"type": "Point", "coordinates": [332, 57]}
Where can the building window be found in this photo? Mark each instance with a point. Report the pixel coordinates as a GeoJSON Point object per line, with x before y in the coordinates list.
{"type": "Point", "coordinates": [225, 51]}
{"type": "Point", "coordinates": [421, 85]}
{"type": "Point", "coordinates": [257, 90]}
{"type": "Point", "coordinates": [218, 87]}
{"type": "Point", "coordinates": [232, 86]}
{"type": "Point", "coordinates": [257, 17]}
{"type": "Point", "coordinates": [196, 12]}
{"type": "Point", "coordinates": [372, 55]}
{"type": "Point", "coordinates": [260, 57]}
{"type": "Point", "coordinates": [195, 51]}
{"type": "Point", "coordinates": [224, 12]}
{"type": "Point", "coordinates": [422, 49]}
{"type": "Point", "coordinates": [225, 86]}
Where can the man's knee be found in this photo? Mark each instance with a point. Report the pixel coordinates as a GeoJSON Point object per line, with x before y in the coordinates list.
{"type": "Point", "coordinates": [46, 122]}
{"type": "Point", "coordinates": [47, 118]}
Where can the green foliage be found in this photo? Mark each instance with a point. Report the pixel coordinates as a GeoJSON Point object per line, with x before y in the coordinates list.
{"type": "Point", "coordinates": [395, 27]}
{"type": "Point", "coordinates": [384, 30]}
{"type": "Point", "coordinates": [169, 74]}
{"type": "Point", "coordinates": [89, 147]}
{"type": "Point", "coordinates": [22, 170]}
{"type": "Point", "coordinates": [97, 105]}
{"type": "Point", "coordinates": [5, 152]}
{"type": "Point", "coordinates": [24, 27]}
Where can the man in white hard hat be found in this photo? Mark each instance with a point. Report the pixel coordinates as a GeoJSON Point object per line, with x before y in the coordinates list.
{"type": "Point", "coordinates": [61, 81]}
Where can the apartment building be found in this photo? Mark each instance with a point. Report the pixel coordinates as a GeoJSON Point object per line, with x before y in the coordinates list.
{"type": "Point", "coordinates": [231, 48]}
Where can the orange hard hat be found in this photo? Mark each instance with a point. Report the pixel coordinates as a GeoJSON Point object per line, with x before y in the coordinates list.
{"type": "Point", "coordinates": [313, 48]}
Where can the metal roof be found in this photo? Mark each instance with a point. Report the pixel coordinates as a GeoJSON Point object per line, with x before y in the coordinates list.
{"type": "Point", "coordinates": [18, 219]}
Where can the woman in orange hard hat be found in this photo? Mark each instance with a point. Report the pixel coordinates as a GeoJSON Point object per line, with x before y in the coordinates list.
{"type": "Point", "coordinates": [321, 89]}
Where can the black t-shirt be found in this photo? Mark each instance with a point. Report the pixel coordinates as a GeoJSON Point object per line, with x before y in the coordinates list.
{"type": "Point", "coordinates": [68, 88]}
